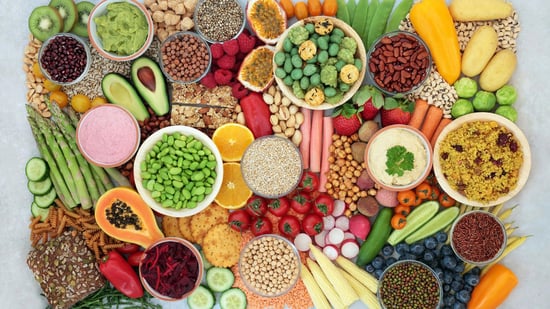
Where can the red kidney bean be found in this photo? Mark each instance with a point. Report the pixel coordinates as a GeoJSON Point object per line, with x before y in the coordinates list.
{"type": "Point", "coordinates": [64, 59]}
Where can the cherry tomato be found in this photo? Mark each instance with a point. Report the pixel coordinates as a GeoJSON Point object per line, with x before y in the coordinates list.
{"type": "Point", "coordinates": [256, 206]}
{"type": "Point", "coordinates": [239, 220]}
{"type": "Point", "coordinates": [134, 258]}
{"type": "Point", "coordinates": [445, 200]}
{"type": "Point", "coordinates": [312, 224]}
{"type": "Point", "coordinates": [423, 190]}
{"type": "Point", "coordinates": [323, 205]}
{"type": "Point", "coordinates": [128, 248]}
{"type": "Point", "coordinates": [261, 225]}
{"type": "Point", "coordinates": [406, 197]}
{"type": "Point", "coordinates": [398, 221]}
{"type": "Point", "coordinates": [309, 182]}
{"type": "Point", "coordinates": [279, 206]}
{"type": "Point", "coordinates": [301, 203]}
{"type": "Point", "coordinates": [434, 196]}
{"type": "Point", "coordinates": [289, 226]}
{"type": "Point", "coordinates": [402, 209]}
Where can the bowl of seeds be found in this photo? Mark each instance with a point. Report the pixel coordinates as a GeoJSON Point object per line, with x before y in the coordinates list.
{"type": "Point", "coordinates": [409, 284]}
{"type": "Point", "coordinates": [271, 166]}
{"type": "Point", "coordinates": [269, 265]}
{"type": "Point", "coordinates": [219, 20]}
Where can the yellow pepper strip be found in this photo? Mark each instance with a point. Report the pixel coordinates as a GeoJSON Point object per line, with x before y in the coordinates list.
{"type": "Point", "coordinates": [493, 288]}
{"type": "Point", "coordinates": [433, 22]}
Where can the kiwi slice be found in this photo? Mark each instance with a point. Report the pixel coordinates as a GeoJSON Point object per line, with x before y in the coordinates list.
{"type": "Point", "coordinates": [67, 10]}
{"type": "Point", "coordinates": [44, 22]}
{"type": "Point", "coordinates": [81, 26]}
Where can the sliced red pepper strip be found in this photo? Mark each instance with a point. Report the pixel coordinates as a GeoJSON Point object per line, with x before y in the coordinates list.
{"type": "Point", "coordinates": [256, 114]}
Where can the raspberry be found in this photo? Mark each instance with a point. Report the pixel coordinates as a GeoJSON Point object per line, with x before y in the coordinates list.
{"type": "Point", "coordinates": [231, 47]}
{"type": "Point", "coordinates": [216, 50]}
{"type": "Point", "coordinates": [226, 62]}
{"type": "Point", "coordinates": [208, 81]}
{"type": "Point", "coordinates": [223, 77]}
{"type": "Point", "coordinates": [246, 42]}
{"type": "Point", "coordinates": [238, 90]}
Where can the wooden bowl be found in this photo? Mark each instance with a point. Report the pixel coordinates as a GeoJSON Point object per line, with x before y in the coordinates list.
{"type": "Point", "coordinates": [474, 117]}
{"type": "Point", "coordinates": [360, 53]}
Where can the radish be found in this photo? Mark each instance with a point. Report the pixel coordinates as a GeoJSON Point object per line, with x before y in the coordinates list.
{"type": "Point", "coordinates": [342, 223]}
{"type": "Point", "coordinates": [349, 248]}
{"type": "Point", "coordinates": [331, 252]}
{"type": "Point", "coordinates": [328, 222]}
{"type": "Point", "coordinates": [320, 238]}
{"type": "Point", "coordinates": [349, 235]}
{"type": "Point", "coordinates": [334, 237]}
{"type": "Point", "coordinates": [339, 208]}
{"type": "Point", "coordinates": [302, 242]}
{"type": "Point", "coordinates": [359, 226]}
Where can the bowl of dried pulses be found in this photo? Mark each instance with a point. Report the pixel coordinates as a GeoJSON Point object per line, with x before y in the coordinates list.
{"type": "Point", "coordinates": [409, 284]}
{"type": "Point", "coordinates": [218, 21]}
{"type": "Point", "coordinates": [486, 173]}
{"type": "Point", "coordinates": [478, 237]}
{"type": "Point", "coordinates": [271, 166]}
{"type": "Point", "coordinates": [319, 62]}
{"type": "Point", "coordinates": [398, 63]}
{"type": "Point", "coordinates": [64, 59]}
{"type": "Point", "coordinates": [269, 265]}
{"type": "Point", "coordinates": [185, 57]}
{"type": "Point", "coordinates": [171, 269]}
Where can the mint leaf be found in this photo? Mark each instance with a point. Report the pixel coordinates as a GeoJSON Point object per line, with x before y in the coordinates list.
{"type": "Point", "coordinates": [399, 160]}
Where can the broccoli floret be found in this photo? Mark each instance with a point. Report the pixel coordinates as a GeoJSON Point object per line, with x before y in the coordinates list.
{"type": "Point", "coordinates": [298, 35]}
{"type": "Point", "coordinates": [345, 55]}
{"type": "Point", "coordinates": [350, 44]}
{"type": "Point", "coordinates": [329, 76]}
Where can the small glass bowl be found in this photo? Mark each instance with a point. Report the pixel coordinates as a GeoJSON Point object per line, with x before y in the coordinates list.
{"type": "Point", "coordinates": [490, 216]}
{"type": "Point", "coordinates": [163, 65]}
{"type": "Point", "coordinates": [204, 36]}
{"type": "Point", "coordinates": [393, 268]}
{"type": "Point", "coordinates": [44, 47]}
{"type": "Point", "coordinates": [376, 45]}
{"type": "Point", "coordinates": [255, 241]}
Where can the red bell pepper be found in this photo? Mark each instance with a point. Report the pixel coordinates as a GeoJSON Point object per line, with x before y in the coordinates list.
{"type": "Point", "coordinates": [121, 275]}
{"type": "Point", "coordinates": [256, 114]}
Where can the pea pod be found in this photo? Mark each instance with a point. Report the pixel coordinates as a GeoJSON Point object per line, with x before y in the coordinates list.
{"type": "Point", "coordinates": [400, 12]}
{"type": "Point", "coordinates": [380, 20]}
{"type": "Point", "coordinates": [351, 6]}
{"type": "Point", "coordinates": [373, 6]}
{"type": "Point", "coordinates": [359, 23]}
{"type": "Point", "coordinates": [342, 13]}
{"type": "Point", "coordinates": [377, 237]}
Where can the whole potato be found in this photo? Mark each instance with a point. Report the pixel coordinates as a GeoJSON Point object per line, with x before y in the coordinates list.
{"type": "Point", "coordinates": [498, 71]}
{"type": "Point", "coordinates": [480, 49]}
{"type": "Point", "coordinates": [480, 10]}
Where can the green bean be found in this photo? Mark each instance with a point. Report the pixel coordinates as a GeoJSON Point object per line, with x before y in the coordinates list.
{"type": "Point", "coordinates": [400, 13]}
{"type": "Point", "coordinates": [380, 20]}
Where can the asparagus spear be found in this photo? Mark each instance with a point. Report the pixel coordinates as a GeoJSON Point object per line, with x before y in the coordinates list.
{"type": "Point", "coordinates": [118, 177]}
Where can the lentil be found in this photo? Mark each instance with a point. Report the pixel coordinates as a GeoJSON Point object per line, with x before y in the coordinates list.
{"type": "Point", "coordinates": [271, 166]}
{"type": "Point", "coordinates": [185, 57]}
{"type": "Point", "coordinates": [63, 58]}
{"type": "Point", "coordinates": [409, 284]}
{"type": "Point", "coordinates": [478, 237]}
{"type": "Point", "coordinates": [219, 20]}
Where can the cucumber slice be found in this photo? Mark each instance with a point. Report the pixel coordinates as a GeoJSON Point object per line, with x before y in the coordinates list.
{"type": "Point", "coordinates": [40, 187]}
{"type": "Point", "coordinates": [36, 169]}
{"type": "Point", "coordinates": [46, 200]}
{"type": "Point", "coordinates": [39, 212]}
{"type": "Point", "coordinates": [207, 265]}
{"type": "Point", "coordinates": [219, 279]}
{"type": "Point", "coordinates": [436, 224]}
{"type": "Point", "coordinates": [418, 217]}
{"type": "Point", "coordinates": [202, 298]}
{"type": "Point", "coordinates": [233, 298]}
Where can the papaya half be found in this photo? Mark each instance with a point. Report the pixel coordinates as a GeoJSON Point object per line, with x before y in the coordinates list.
{"type": "Point", "coordinates": [122, 214]}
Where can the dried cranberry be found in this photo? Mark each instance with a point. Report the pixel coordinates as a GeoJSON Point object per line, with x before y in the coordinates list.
{"type": "Point", "coordinates": [458, 148]}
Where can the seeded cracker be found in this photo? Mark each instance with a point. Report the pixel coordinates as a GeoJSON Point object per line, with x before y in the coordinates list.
{"type": "Point", "coordinates": [206, 219]}
{"type": "Point", "coordinates": [222, 245]}
{"type": "Point", "coordinates": [66, 270]}
{"type": "Point", "coordinates": [170, 227]}
{"type": "Point", "coordinates": [184, 224]}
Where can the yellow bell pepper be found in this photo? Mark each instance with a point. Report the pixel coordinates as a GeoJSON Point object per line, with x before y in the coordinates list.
{"type": "Point", "coordinates": [434, 24]}
{"type": "Point", "coordinates": [493, 288]}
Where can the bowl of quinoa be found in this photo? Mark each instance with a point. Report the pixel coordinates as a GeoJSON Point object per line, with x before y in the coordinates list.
{"type": "Point", "coordinates": [482, 159]}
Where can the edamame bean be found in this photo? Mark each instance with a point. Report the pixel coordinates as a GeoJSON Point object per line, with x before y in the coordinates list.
{"type": "Point", "coordinates": [279, 58]}
{"type": "Point", "coordinates": [296, 74]}
{"type": "Point", "coordinates": [296, 61]}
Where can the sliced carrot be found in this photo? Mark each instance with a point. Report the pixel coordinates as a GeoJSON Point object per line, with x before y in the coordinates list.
{"type": "Point", "coordinates": [431, 120]}
{"type": "Point", "coordinates": [442, 124]}
{"type": "Point", "coordinates": [417, 117]}
{"type": "Point", "coordinates": [315, 144]}
{"type": "Point", "coordinates": [328, 129]}
{"type": "Point", "coordinates": [305, 128]}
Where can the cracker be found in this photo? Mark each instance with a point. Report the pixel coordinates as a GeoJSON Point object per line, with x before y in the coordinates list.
{"type": "Point", "coordinates": [222, 245]}
{"type": "Point", "coordinates": [184, 224]}
{"type": "Point", "coordinates": [170, 227]}
{"type": "Point", "coordinates": [206, 219]}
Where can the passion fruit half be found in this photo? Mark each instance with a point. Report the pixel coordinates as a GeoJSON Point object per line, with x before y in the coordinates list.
{"type": "Point", "coordinates": [256, 71]}
{"type": "Point", "coordinates": [267, 19]}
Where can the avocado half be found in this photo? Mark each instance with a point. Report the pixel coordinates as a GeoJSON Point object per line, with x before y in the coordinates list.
{"type": "Point", "coordinates": [149, 82]}
{"type": "Point", "coordinates": [119, 91]}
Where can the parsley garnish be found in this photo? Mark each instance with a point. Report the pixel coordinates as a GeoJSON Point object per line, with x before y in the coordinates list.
{"type": "Point", "coordinates": [399, 160]}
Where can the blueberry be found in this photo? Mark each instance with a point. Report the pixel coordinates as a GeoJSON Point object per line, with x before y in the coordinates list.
{"type": "Point", "coordinates": [446, 288]}
{"type": "Point", "coordinates": [475, 271]}
{"type": "Point", "coordinates": [417, 249]}
{"type": "Point", "coordinates": [449, 301]}
{"type": "Point", "coordinates": [441, 237]}
{"type": "Point", "coordinates": [378, 273]}
{"type": "Point", "coordinates": [463, 296]}
{"type": "Point", "coordinates": [439, 273]}
{"type": "Point", "coordinates": [390, 260]}
{"type": "Point", "coordinates": [410, 256]}
{"type": "Point", "coordinates": [447, 277]}
{"type": "Point", "coordinates": [459, 268]}
{"type": "Point", "coordinates": [459, 305]}
{"type": "Point", "coordinates": [437, 252]}
{"type": "Point", "coordinates": [369, 268]}
{"type": "Point", "coordinates": [468, 288]}
{"type": "Point", "coordinates": [402, 248]}
{"type": "Point", "coordinates": [378, 262]}
{"type": "Point", "coordinates": [387, 250]}
{"type": "Point", "coordinates": [430, 243]}
{"type": "Point", "coordinates": [446, 250]}
{"type": "Point", "coordinates": [456, 285]}
{"type": "Point", "coordinates": [471, 279]}
{"type": "Point", "coordinates": [429, 256]}
{"type": "Point", "coordinates": [448, 262]}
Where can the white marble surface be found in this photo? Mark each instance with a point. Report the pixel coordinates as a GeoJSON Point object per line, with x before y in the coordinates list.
{"type": "Point", "coordinates": [19, 290]}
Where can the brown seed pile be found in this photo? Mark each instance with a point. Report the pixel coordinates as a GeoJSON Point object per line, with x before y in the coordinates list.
{"type": "Point", "coordinates": [219, 20]}
{"type": "Point", "coordinates": [269, 265]}
{"type": "Point", "coordinates": [185, 57]}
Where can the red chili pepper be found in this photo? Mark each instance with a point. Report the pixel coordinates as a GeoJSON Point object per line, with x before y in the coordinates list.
{"type": "Point", "coordinates": [121, 275]}
{"type": "Point", "coordinates": [256, 114]}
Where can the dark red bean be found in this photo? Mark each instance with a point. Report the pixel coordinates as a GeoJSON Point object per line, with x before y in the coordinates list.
{"type": "Point", "coordinates": [477, 237]}
{"type": "Point", "coordinates": [64, 59]}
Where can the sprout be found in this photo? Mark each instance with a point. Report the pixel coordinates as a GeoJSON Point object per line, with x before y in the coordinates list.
{"type": "Point", "coordinates": [465, 87]}
{"type": "Point", "coordinates": [484, 101]}
{"type": "Point", "coordinates": [506, 95]}
{"type": "Point", "coordinates": [461, 108]}
{"type": "Point", "coordinates": [508, 112]}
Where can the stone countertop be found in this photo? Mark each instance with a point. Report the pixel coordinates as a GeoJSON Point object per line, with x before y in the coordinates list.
{"type": "Point", "coordinates": [18, 289]}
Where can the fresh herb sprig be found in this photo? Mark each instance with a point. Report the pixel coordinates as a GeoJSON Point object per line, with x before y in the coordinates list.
{"type": "Point", "coordinates": [399, 160]}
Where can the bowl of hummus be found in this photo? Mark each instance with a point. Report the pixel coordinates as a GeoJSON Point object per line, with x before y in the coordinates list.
{"type": "Point", "coordinates": [398, 157]}
{"type": "Point", "coordinates": [120, 30]}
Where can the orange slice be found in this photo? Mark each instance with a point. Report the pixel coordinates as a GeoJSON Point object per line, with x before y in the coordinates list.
{"type": "Point", "coordinates": [232, 140]}
{"type": "Point", "coordinates": [234, 192]}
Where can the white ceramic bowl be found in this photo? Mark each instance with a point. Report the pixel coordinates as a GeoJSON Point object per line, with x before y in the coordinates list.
{"type": "Point", "coordinates": [101, 9]}
{"type": "Point", "coordinates": [457, 123]}
{"type": "Point", "coordinates": [146, 147]}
